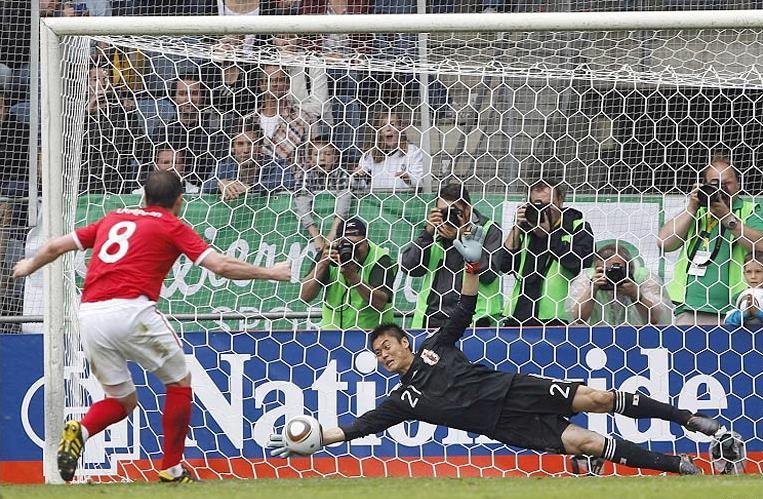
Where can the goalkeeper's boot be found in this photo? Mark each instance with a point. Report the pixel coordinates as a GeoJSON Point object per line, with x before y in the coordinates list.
{"type": "Point", "coordinates": [70, 449]}
{"type": "Point", "coordinates": [687, 466]}
{"type": "Point", "coordinates": [703, 424]}
{"type": "Point", "coordinates": [185, 477]}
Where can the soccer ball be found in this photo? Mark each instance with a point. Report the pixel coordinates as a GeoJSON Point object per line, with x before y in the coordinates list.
{"type": "Point", "coordinates": [303, 435]}
{"type": "Point", "coordinates": [757, 299]}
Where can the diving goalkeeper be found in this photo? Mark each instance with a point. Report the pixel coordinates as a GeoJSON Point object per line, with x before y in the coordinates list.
{"type": "Point", "coordinates": [439, 385]}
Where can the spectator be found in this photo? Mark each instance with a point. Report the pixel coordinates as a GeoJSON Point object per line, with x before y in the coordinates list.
{"type": "Point", "coordinates": [617, 291]}
{"type": "Point", "coordinates": [715, 232]}
{"type": "Point", "coordinates": [167, 158]}
{"type": "Point", "coordinates": [235, 88]}
{"type": "Point", "coordinates": [15, 33]}
{"type": "Point", "coordinates": [109, 146]}
{"type": "Point", "coordinates": [287, 110]}
{"type": "Point", "coordinates": [547, 247]}
{"type": "Point", "coordinates": [196, 131]}
{"type": "Point", "coordinates": [321, 172]}
{"type": "Point", "coordinates": [238, 7]}
{"type": "Point", "coordinates": [402, 46]}
{"type": "Point", "coordinates": [247, 170]}
{"type": "Point", "coordinates": [747, 311]}
{"type": "Point", "coordinates": [14, 189]}
{"type": "Point", "coordinates": [164, 7]}
{"type": "Point", "coordinates": [234, 93]}
{"type": "Point", "coordinates": [357, 278]}
{"type": "Point", "coordinates": [392, 163]}
{"type": "Point", "coordinates": [433, 257]}
{"type": "Point", "coordinates": [74, 9]}
{"type": "Point", "coordinates": [50, 8]}
{"type": "Point", "coordinates": [348, 89]}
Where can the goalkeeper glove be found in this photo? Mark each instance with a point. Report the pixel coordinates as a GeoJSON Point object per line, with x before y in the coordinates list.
{"type": "Point", "coordinates": [470, 247]}
{"type": "Point", "coordinates": [277, 446]}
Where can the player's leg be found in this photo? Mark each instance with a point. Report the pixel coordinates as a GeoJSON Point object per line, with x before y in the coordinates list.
{"type": "Point", "coordinates": [156, 347]}
{"type": "Point", "coordinates": [176, 418]}
{"type": "Point", "coordinates": [109, 367]}
{"type": "Point", "coordinates": [637, 405]}
{"type": "Point", "coordinates": [577, 440]}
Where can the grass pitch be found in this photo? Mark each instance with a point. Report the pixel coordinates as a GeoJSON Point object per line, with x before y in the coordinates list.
{"type": "Point", "coordinates": [703, 487]}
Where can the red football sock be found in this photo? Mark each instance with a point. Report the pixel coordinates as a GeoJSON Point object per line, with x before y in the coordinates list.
{"type": "Point", "coordinates": [102, 414]}
{"type": "Point", "coordinates": [175, 420]}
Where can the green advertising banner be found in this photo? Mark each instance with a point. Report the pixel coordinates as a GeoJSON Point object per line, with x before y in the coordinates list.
{"type": "Point", "coordinates": [263, 230]}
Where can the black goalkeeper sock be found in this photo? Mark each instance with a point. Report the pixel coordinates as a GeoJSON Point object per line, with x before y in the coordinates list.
{"type": "Point", "coordinates": [637, 405]}
{"type": "Point", "coordinates": [630, 454]}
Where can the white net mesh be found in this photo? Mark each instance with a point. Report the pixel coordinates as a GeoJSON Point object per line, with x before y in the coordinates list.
{"type": "Point", "coordinates": [627, 120]}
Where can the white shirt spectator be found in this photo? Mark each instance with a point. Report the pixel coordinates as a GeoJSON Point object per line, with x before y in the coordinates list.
{"type": "Point", "coordinates": [621, 310]}
{"type": "Point", "coordinates": [389, 174]}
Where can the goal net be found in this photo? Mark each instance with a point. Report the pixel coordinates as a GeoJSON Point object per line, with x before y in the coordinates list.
{"type": "Point", "coordinates": [278, 136]}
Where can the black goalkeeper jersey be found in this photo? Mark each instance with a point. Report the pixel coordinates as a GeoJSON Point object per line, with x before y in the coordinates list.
{"type": "Point", "coordinates": [442, 387]}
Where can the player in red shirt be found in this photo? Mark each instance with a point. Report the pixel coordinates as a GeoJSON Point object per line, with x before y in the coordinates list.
{"type": "Point", "coordinates": [133, 250]}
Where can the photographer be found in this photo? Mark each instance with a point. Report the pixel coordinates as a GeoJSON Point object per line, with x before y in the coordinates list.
{"type": "Point", "coordinates": [616, 291]}
{"type": "Point", "coordinates": [357, 276]}
{"type": "Point", "coordinates": [715, 232]}
{"type": "Point", "coordinates": [432, 256]}
{"type": "Point", "coordinates": [548, 246]}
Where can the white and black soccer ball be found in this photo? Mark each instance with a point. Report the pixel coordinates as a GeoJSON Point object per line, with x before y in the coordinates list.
{"type": "Point", "coordinates": [303, 435]}
{"type": "Point", "coordinates": [743, 300]}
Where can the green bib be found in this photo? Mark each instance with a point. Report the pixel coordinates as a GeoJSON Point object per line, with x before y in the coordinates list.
{"type": "Point", "coordinates": [488, 295]}
{"type": "Point", "coordinates": [555, 284]}
{"type": "Point", "coordinates": [677, 288]}
{"type": "Point", "coordinates": [344, 308]}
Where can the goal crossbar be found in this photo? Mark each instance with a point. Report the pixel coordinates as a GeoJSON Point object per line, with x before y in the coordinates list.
{"type": "Point", "coordinates": [409, 23]}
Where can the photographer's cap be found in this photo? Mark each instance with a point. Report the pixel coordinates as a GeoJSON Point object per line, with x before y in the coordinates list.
{"type": "Point", "coordinates": [352, 227]}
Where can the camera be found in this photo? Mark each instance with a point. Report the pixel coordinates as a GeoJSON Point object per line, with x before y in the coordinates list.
{"type": "Point", "coordinates": [346, 250]}
{"type": "Point", "coordinates": [709, 193]}
{"type": "Point", "coordinates": [615, 274]}
{"type": "Point", "coordinates": [535, 212]}
{"type": "Point", "coordinates": [451, 215]}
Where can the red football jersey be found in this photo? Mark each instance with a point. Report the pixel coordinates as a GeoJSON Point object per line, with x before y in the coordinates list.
{"type": "Point", "coordinates": [133, 250]}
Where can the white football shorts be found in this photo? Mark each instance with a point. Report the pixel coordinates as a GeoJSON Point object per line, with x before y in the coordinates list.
{"type": "Point", "coordinates": [115, 331]}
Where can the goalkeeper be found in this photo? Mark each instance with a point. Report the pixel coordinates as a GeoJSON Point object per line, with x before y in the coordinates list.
{"type": "Point", "coordinates": [439, 385]}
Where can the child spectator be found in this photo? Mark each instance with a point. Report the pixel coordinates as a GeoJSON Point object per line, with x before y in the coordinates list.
{"type": "Point", "coordinates": [169, 158]}
{"type": "Point", "coordinates": [321, 172]}
{"type": "Point", "coordinates": [748, 305]}
{"type": "Point", "coordinates": [248, 170]}
{"type": "Point", "coordinates": [392, 164]}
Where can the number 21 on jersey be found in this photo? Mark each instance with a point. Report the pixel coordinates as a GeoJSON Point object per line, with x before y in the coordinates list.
{"type": "Point", "coordinates": [119, 236]}
{"type": "Point", "coordinates": [411, 395]}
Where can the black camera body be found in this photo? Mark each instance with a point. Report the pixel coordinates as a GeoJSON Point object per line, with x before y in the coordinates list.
{"type": "Point", "coordinates": [346, 250]}
{"type": "Point", "coordinates": [451, 215]}
{"type": "Point", "coordinates": [709, 193]}
{"type": "Point", "coordinates": [535, 213]}
{"type": "Point", "coordinates": [615, 275]}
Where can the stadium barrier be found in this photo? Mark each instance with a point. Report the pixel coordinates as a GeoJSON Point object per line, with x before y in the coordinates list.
{"type": "Point", "coordinates": [246, 383]}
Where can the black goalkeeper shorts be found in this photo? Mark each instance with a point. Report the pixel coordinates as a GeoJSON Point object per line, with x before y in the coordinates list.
{"type": "Point", "coordinates": [535, 412]}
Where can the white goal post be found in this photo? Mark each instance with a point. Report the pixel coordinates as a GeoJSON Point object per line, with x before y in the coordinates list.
{"type": "Point", "coordinates": [53, 30]}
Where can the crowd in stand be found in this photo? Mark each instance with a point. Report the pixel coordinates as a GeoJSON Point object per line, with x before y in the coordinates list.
{"type": "Point", "coordinates": [244, 129]}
